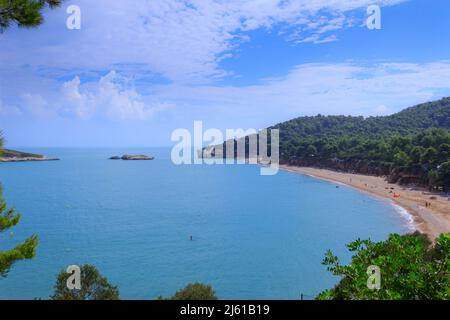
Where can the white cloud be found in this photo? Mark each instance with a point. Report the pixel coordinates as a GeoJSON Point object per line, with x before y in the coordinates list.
{"type": "Point", "coordinates": [9, 110]}
{"type": "Point", "coordinates": [124, 104]}
{"type": "Point", "coordinates": [107, 97]}
{"type": "Point", "coordinates": [309, 89]}
{"type": "Point", "coordinates": [317, 39]}
{"type": "Point", "coordinates": [182, 40]}
{"type": "Point", "coordinates": [38, 106]}
{"type": "Point", "coordinates": [74, 101]}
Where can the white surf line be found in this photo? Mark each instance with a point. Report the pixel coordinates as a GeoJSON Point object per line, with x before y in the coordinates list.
{"type": "Point", "coordinates": [405, 214]}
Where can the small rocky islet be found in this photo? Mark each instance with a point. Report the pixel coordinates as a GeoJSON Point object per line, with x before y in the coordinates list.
{"type": "Point", "coordinates": [132, 157]}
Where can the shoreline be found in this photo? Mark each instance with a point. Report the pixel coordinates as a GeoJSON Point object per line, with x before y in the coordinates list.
{"type": "Point", "coordinates": [431, 220]}
{"type": "Point", "coordinates": [27, 159]}
{"type": "Point", "coordinates": [8, 155]}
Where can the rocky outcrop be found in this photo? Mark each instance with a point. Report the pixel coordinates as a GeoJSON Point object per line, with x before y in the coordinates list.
{"type": "Point", "coordinates": [17, 156]}
{"type": "Point", "coordinates": [25, 159]}
{"type": "Point", "coordinates": [137, 157]}
{"type": "Point", "coordinates": [132, 157]}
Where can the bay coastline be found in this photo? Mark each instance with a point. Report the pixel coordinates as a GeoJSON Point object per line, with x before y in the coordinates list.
{"type": "Point", "coordinates": [429, 212]}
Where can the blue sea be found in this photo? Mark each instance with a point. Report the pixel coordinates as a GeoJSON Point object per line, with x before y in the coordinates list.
{"type": "Point", "coordinates": [253, 236]}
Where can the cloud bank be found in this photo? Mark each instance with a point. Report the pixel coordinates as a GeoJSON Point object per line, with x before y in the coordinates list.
{"type": "Point", "coordinates": [182, 41]}
{"type": "Point", "coordinates": [345, 88]}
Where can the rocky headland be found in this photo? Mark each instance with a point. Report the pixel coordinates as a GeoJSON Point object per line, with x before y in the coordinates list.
{"type": "Point", "coordinates": [18, 156]}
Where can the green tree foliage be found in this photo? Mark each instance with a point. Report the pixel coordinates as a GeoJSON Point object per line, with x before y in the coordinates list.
{"type": "Point", "coordinates": [443, 174]}
{"type": "Point", "coordinates": [93, 286]}
{"type": "Point", "coordinates": [195, 291]}
{"type": "Point", "coordinates": [411, 120]}
{"type": "Point", "coordinates": [411, 269]}
{"type": "Point", "coordinates": [412, 146]}
{"type": "Point", "coordinates": [9, 218]}
{"type": "Point", "coordinates": [24, 13]}
{"type": "Point", "coordinates": [415, 142]}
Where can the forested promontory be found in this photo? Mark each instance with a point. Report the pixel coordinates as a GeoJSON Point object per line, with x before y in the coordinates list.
{"type": "Point", "coordinates": [412, 146]}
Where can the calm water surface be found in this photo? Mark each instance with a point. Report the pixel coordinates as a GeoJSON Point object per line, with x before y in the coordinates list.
{"type": "Point", "coordinates": [254, 237]}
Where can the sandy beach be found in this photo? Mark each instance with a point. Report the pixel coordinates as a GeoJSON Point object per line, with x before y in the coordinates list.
{"type": "Point", "coordinates": [432, 219]}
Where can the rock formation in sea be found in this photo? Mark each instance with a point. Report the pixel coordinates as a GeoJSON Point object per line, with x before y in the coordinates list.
{"type": "Point", "coordinates": [132, 157]}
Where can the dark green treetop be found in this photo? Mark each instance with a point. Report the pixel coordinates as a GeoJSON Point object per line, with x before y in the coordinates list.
{"type": "Point", "coordinates": [9, 218]}
{"type": "Point", "coordinates": [410, 268]}
{"type": "Point", "coordinates": [93, 286]}
{"type": "Point", "coordinates": [24, 13]}
{"type": "Point", "coordinates": [194, 291]}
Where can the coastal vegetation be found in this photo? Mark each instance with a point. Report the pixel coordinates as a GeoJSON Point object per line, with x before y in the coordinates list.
{"type": "Point", "coordinates": [409, 147]}
{"type": "Point", "coordinates": [422, 158]}
{"type": "Point", "coordinates": [411, 268]}
{"type": "Point", "coordinates": [94, 286]}
{"type": "Point", "coordinates": [24, 13]}
{"type": "Point", "coordinates": [5, 153]}
{"type": "Point", "coordinates": [194, 291]}
{"type": "Point", "coordinates": [412, 146]}
{"type": "Point", "coordinates": [19, 156]}
{"type": "Point", "coordinates": [9, 217]}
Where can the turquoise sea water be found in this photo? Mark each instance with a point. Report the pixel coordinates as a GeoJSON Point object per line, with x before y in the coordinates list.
{"type": "Point", "coordinates": [254, 237]}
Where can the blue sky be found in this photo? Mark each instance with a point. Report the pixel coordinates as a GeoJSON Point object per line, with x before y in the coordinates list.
{"type": "Point", "coordinates": [136, 71]}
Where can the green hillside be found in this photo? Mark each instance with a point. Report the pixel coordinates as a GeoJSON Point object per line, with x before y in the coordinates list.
{"type": "Point", "coordinates": [5, 153]}
{"type": "Point", "coordinates": [412, 120]}
{"type": "Point", "coordinates": [412, 146]}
